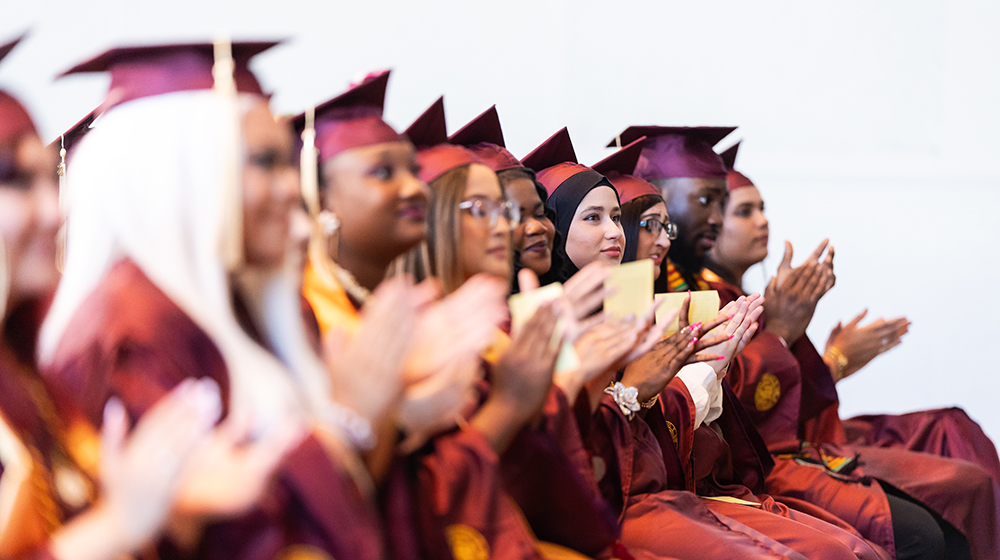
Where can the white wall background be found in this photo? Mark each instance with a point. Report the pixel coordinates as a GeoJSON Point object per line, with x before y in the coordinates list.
{"type": "Point", "coordinates": [872, 123]}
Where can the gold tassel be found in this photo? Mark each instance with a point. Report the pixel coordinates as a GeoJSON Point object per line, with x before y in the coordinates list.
{"type": "Point", "coordinates": [61, 235]}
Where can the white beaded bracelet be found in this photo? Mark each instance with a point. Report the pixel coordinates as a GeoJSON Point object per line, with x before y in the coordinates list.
{"type": "Point", "coordinates": [627, 398]}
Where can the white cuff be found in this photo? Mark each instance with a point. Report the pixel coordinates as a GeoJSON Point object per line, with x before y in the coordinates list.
{"type": "Point", "coordinates": [699, 380]}
{"type": "Point", "coordinates": [714, 401]}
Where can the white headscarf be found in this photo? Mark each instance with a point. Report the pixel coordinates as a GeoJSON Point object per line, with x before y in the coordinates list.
{"type": "Point", "coordinates": [150, 184]}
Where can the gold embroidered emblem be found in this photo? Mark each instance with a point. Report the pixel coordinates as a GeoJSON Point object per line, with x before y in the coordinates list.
{"type": "Point", "coordinates": [466, 543]}
{"type": "Point", "coordinates": [768, 392]}
{"type": "Point", "coordinates": [673, 432]}
{"type": "Point", "coordinates": [302, 552]}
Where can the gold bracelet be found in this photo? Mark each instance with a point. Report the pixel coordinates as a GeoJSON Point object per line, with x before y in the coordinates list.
{"type": "Point", "coordinates": [840, 361]}
{"type": "Point", "coordinates": [651, 402]}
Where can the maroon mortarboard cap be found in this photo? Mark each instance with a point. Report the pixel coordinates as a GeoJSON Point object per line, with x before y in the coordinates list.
{"type": "Point", "coordinates": [138, 72]}
{"type": "Point", "coordinates": [623, 161]}
{"type": "Point", "coordinates": [673, 151]}
{"type": "Point", "coordinates": [429, 133]}
{"type": "Point", "coordinates": [353, 119]}
{"type": "Point", "coordinates": [734, 179]}
{"type": "Point", "coordinates": [430, 128]}
{"type": "Point", "coordinates": [484, 137]}
{"type": "Point", "coordinates": [76, 132]}
{"type": "Point", "coordinates": [554, 161]}
{"type": "Point", "coordinates": [14, 118]}
{"type": "Point", "coordinates": [618, 168]}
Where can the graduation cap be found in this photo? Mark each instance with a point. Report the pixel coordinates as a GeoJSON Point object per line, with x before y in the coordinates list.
{"type": "Point", "coordinates": [734, 179]}
{"type": "Point", "coordinates": [677, 151]}
{"type": "Point", "coordinates": [14, 118]}
{"type": "Point", "coordinates": [429, 133]}
{"type": "Point", "coordinates": [484, 137]}
{"type": "Point", "coordinates": [353, 119]}
{"type": "Point", "coordinates": [430, 128]}
{"type": "Point", "coordinates": [554, 161]}
{"type": "Point", "coordinates": [145, 71]}
{"type": "Point", "coordinates": [566, 181]}
{"type": "Point", "coordinates": [618, 168]}
{"type": "Point", "coordinates": [71, 137]}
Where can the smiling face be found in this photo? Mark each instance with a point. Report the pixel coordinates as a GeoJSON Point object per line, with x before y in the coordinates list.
{"type": "Point", "coordinates": [534, 236]}
{"type": "Point", "coordinates": [651, 246]}
{"type": "Point", "coordinates": [484, 249]}
{"type": "Point", "coordinates": [743, 240]}
{"type": "Point", "coordinates": [381, 204]}
{"type": "Point", "coordinates": [29, 217]}
{"type": "Point", "coordinates": [596, 232]}
{"type": "Point", "coordinates": [695, 205]}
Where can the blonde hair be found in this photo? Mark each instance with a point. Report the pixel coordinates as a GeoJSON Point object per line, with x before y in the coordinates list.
{"type": "Point", "coordinates": [439, 256]}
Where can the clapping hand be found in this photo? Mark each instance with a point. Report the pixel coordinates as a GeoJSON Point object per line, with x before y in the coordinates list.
{"type": "Point", "coordinates": [792, 294]}
{"type": "Point", "coordinates": [859, 345]}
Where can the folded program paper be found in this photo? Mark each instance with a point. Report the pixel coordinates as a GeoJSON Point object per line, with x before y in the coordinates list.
{"type": "Point", "coordinates": [704, 307]}
{"type": "Point", "coordinates": [633, 283]}
{"type": "Point", "coordinates": [524, 305]}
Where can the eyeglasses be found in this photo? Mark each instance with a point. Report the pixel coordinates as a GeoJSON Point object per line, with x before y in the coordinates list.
{"type": "Point", "coordinates": [487, 212]}
{"type": "Point", "coordinates": [654, 226]}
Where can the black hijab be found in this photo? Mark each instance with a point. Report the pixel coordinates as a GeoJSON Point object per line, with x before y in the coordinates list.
{"type": "Point", "coordinates": [564, 201]}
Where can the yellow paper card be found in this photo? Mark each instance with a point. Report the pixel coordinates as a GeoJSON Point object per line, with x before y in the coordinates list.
{"type": "Point", "coordinates": [704, 307]}
{"type": "Point", "coordinates": [525, 304]}
{"type": "Point", "coordinates": [633, 283]}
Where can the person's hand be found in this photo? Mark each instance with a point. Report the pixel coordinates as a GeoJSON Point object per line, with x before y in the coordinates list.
{"type": "Point", "coordinates": [434, 403]}
{"type": "Point", "coordinates": [523, 374]}
{"type": "Point", "coordinates": [445, 364]}
{"type": "Point", "coordinates": [585, 291]}
{"type": "Point", "coordinates": [462, 324]}
{"type": "Point", "coordinates": [227, 476]}
{"type": "Point", "coordinates": [520, 379]}
{"type": "Point", "coordinates": [740, 325]}
{"type": "Point", "coordinates": [859, 345]}
{"type": "Point", "coordinates": [366, 368]}
{"type": "Point", "coordinates": [792, 294]}
{"type": "Point", "coordinates": [649, 332]}
{"type": "Point", "coordinates": [140, 472]}
{"type": "Point", "coordinates": [602, 348]}
{"type": "Point", "coordinates": [653, 370]}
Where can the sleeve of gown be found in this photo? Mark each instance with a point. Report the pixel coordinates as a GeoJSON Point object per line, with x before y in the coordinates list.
{"type": "Point", "coordinates": [461, 491]}
{"type": "Point", "coordinates": [819, 416]}
{"type": "Point", "coordinates": [608, 439]}
{"type": "Point", "coordinates": [679, 414]}
{"type": "Point", "coordinates": [550, 476]}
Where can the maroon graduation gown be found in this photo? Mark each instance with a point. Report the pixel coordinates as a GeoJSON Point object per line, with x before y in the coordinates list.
{"type": "Point", "coordinates": [790, 395]}
{"type": "Point", "coordinates": [656, 517]}
{"type": "Point", "coordinates": [129, 340]}
{"type": "Point", "coordinates": [946, 432]}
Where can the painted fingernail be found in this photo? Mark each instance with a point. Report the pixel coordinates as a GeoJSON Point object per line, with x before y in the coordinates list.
{"type": "Point", "coordinates": [731, 316]}
{"type": "Point", "coordinates": [731, 336]}
{"type": "Point", "coordinates": [694, 340]}
{"type": "Point", "coordinates": [696, 326]}
{"type": "Point", "coordinates": [720, 358]}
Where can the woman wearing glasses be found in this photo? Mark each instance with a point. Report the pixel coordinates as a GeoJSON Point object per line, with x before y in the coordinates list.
{"type": "Point", "coordinates": [648, 229]}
